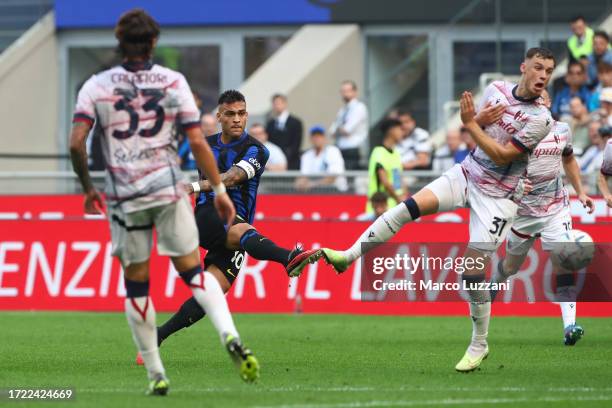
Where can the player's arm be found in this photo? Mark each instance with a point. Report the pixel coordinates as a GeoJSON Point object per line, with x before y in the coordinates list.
{"type": "Point", "coordinates": [384, 180]}
{"type": "Point", "coordinates": [233, 177]}
{"type": "Point", "coordinates": [572, 172]}
{"type": "Point", "coordinates": [78, 155]}
{"type": "Point", "coordinates": [602, 183]}
{"type": "Point", "coordinates": [501, 155]}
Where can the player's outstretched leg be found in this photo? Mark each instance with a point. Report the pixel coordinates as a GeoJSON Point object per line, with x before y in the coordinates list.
{"type": "Point", "coordinates": [381, 230]}
{"type": "Point", "coordinates": [566, 294]}
{"type": "Point", "coordinates": [262, 248]}
{"type": "Point", "coordinates": [480, 312]}
{"type": "Point", "coordinates": [140, 315]}
{"type": "Point", "coordinates": [208, 293]}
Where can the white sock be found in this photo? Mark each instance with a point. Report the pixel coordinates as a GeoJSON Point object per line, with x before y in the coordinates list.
{"type": "Point", "coordinates": [481, 314]}
{"type": "Point", "coordinates": [140, 315]}
{"type": "Point", "coordinates": [209, 295]}
{"type": "Point", "coordinates": [381, 230]}
{"type": "Point", "coordinates": [568, 313]}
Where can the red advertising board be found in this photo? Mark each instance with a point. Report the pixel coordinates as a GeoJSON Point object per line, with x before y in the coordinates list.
{"type": "Point", "coordinates": [65, 263]}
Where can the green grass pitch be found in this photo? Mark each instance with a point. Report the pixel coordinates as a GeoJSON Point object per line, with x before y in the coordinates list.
{"type": "Point", "coordinates": [317, 361]}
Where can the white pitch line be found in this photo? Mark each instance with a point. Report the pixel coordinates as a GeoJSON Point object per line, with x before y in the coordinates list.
{"type": "Point", "coordinates": [438, 402]}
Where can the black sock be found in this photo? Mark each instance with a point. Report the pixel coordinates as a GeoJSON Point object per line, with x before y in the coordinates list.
{"type": "Point", "coordinates": [189, 313]}
{"type": "Point", "coordinates": [261, 248]}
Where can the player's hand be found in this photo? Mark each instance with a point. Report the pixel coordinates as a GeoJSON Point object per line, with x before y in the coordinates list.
{"type": "Point", "coordinates": [588, 203]}
{"type": "Point", "coordinates": [189, 188]}
{"type": "Point", "coordinates": [468, 112]}
{"type": "Point", "coordinates": [490, 114]}
{"type": "Point", "coordinates": [608, 199]}
{"type": "Point", "coordinates": [94, 203]}
{"type": "Point", "coordinates": [523, 188]}
{"type": "Point", "coordinates": [225, 208]}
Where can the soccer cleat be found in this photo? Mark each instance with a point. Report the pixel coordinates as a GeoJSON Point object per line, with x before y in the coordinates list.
{"type": "Point", "coordinates": [139, 360]}
{"type": "Point", "coordinates": [335, 259]}
{"type": "Point", "coordinates": [573, 333]}
{"type": "Point", "coordinates": [469, 363]}
{"type": "Point", "coordinates": [248, 366]}
{"type": "Point", "coordinates": [298, 259]}
{"type": "Point", "coordinates": [159, 385]}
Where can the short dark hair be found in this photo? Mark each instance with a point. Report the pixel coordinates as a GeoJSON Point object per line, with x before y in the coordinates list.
{"type": "Point", "coordinates": [577, 18]}
{"type": "Point", "coordinates": [603, 67]}
{"type": "Point", "coordinates": [575, 64]}
{"type": "Point", "coordinates": [602, 34]}
{"type": "Point", "coordinates": [379, 197]}
{"type": "Point", "coordinates": [351, 83]}
{"type": "Point", "coordinates": [388, 124]}
{"type": "Point", "coordinates": [403, 111]}
{"type": "Point", "coordinates": [279, 95]}
{"type": "Point", "coordinates": [231, 96]}
{"type": "Point", "coordinates": [541, 52]}
{"type": "Point", "coordinates": [136, 30]}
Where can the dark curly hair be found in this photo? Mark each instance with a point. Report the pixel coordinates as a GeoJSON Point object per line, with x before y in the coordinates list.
{"type": "Point", "coordinates": [231, 96]}
{"type": "Point", "coordinates": [136, 31]}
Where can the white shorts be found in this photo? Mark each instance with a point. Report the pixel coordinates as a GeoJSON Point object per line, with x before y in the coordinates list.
{"type": "Point", "coordinates": [550, 229]}
{"type": "Point", "coordinates": [132, 233]}
{"type": "Point", "coordinates": [490, 217]}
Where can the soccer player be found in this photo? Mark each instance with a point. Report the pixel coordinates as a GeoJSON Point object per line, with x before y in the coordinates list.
{"type": "Point", "coordinates": [241, 160]}
{"type": "Point", "coordinates": [135, 106]}
{"type": "Point", "coordinates": [490, 178]}
{"type": "Point", "coordinates": [545, 213]}
{"type": "Point", "coordinates": [606, 173]}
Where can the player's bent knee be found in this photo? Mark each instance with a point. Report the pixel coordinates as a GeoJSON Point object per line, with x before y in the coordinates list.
{"type": "Point", "coordinates": [426, 201]}
{"type": "Point", "coordinates": [138, 272]}
{"type": "Point", "coordinates": [235, 233]}
{"type": "Point", "coordinates": [186, 262]}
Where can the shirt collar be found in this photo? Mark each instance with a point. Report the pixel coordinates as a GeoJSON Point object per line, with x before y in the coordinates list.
{"type": "Point", "coordinates": [135, 66]}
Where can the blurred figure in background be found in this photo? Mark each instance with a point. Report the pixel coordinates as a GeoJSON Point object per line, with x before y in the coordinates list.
{"type": "Point", "coordinates": [321, 158]}
{"type": "Point", "coordinates": [379, 205]}
{"type": "Point", "coordinates": [601, 54]}
{"type": "Point", "coordinates": [579, 125]}
{"type": "Point", "coordinates": [277, 160]}
{"type": "Point", "coordinates": [470, 145]}
{"type": "Point", "coordinates": [285, 130]}
{"type": "Point", "coordinates": [591, 159]}
{"type": "Point", "coordinates": [575, 79]}
{"type": "Point", "coordinates": [447, 155]}
{"type": "Point", "coordinates": [604, 77]}
{"type": "Point", "coordinates": [350, 129]}
{"type": "Point", "coordinates": [415, 147]}
{"type": "Point", "coordinates": [605, 111]}
{"type": "Point", "coordinates": [581, 42]}
{"type": "Point", "coordinates": [385, 166]}
{"type": "Point", "coordinates": [209, 124]}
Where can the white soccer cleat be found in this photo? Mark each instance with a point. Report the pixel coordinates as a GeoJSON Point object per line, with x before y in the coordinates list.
{"type": "Point", "coordinates": [470, 363]}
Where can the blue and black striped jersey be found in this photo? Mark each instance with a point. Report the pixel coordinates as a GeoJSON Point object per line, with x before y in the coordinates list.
{"type": "Point", "coordinates": [251, 156]}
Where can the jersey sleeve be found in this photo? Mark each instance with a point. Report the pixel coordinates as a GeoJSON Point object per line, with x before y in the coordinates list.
{"type": "Point", "coordinates": [532, 133]}
{"type": "Point", "coordinates": [488, 95]}
{"type": "Point", "coordinates": [85, 109]}
{"type": "Point", "coordinates": [188, 113]}
{"type": "Point", "coordinates": [568, 150]}
{"type": "Point", "coordinates": [254, 161]}
{"type": "Point", "coordinates": [606, 166]}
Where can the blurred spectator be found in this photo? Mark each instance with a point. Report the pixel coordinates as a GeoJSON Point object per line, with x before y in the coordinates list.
{"type": "Point", "coordinates": [604, 77]}
{"type": "Point", "coordinates": [415, 147]}
{"type": "Point", "coordinates": [208, 123]}
{"type": "Point", "coordinates": [601, 53]}
{"type": "Point", "coordinates": [350, 129]}
{"type": "Point", "coordinates": [379, 205]}
{"type": "Point", "coordinates": [591, 159]}
{"type": "Point", "coordinates": [575, 79]}
{"type": "Point", "coordinates": [277, 160]}
{"type": "Point", "coordinates": [581, 42]}
{"type": "Point", "coordinates": [385, 166]}
{"type": "Point", "coordinates": [605, 111]}
{"type": "Point", "coordinates": [470, 145]}
{"type": "Point", "coordinates": [579, 125]}
{"type": "Point", "coordinates": [321, 158]}
{"type": "Point", "coordinates": [285, 130]}
{"type": "Point", "coordinates": [448, 154]}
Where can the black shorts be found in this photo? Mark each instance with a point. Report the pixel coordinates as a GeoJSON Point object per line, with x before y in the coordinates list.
{"type": "Point", "coordinates": [213, 235]}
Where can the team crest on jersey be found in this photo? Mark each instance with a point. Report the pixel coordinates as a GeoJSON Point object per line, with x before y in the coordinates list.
{"type": "Point", "coordinates": [520, 116]}
{"type": "Point", "coordinates": [557, 138]}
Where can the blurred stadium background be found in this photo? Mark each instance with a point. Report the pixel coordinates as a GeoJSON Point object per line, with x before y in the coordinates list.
{"type": "Point", "coordinates": [402, 55]}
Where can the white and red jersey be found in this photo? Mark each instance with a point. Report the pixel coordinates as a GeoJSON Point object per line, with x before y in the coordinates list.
{"type": "Point", "coordinates": [135, 108]}
{"type": "Point", "coordinates": [524, 123]}
{"type": "Point", "coordinates": [548, 196]}
{"type": "Point", "coordinates": [606, 166]}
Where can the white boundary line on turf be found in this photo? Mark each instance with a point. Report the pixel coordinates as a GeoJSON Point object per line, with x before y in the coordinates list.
{"type": "Point", "coordinates": [205, 390]}
{"type": "Point", "coordinates": [439, 402]}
